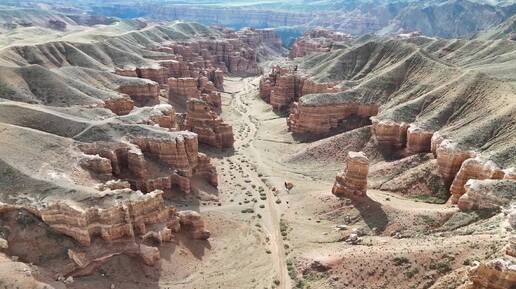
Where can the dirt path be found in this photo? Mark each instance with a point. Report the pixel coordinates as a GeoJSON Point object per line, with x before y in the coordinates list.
{"type": "Point", "coordinates": [246, 126]}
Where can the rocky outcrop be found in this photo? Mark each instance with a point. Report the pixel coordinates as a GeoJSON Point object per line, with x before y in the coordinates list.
{"type": "Point", "coordinates": [352, 181]}
{"type": "Point", "coordinates": [449, 157]}
{"type": "Point", "coordinates": [163, 115]}
{"type": "Point", "coordinates": [135, 161]}
{"type": "Point", "coordinates": [282, 86]}
{"type": "Point", "coordinates": [122, 220]}
{"type": "Point", "coordinates": [192, 222]}
{"type": "Point", "coordinates": [156, 74]}
{"type": "Point", "coordinates": [180, 90]}
{"type": "Point", "coordinates": [496, 274]}
{"type": "Point", "coordinates": [473, 168]}
{"type": "Point", "coordinates": [389, 135]}
{"type": "Point", "coordinates": [458, 166]}
{"type": "Point", "coordinates": [401, 139]}
{"type": "Point", "coordinates": [316, 40]}
{"type": "Point", "coordinates": [486, 194]}
{"type": "Point", "coordinates": [258, 37]}
{"type": "Point", "coordinates": [419, 140]}
{"type": "Point", "coordinates": [322, 119]}
{"type": "Point", "coordinates": [143, 94]}
{"type": "Point", "coordinates": [119, 106]}
{"type": "Point", "coordinates": [208, 125]}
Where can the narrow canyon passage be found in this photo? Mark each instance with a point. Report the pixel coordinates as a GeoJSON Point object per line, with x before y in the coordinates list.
{"type": "Point", "coordinates": [243, 108]}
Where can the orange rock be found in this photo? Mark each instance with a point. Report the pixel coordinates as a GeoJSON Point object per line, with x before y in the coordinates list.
{"type": "Point", "coordinates": [352, 181]}
{"type": "Point", "coordinates": [473, 168]}
{"type": "Point", "coordinates": [322, 119]}
{"type": "Point", "coordinates": [209, 127]}
{"type": "Point", "coordinates": [122, 220]}
{"type": "Point", "coordinates": [192, 222]}
{"type": "Point", "coordinates": [142, 94]}
{"type": "Point", "coordinates": [316, 40]}
{"type": "Point", "coordinates": [119, 106]}
{"type": "Point", "coordinates": [497, 274]}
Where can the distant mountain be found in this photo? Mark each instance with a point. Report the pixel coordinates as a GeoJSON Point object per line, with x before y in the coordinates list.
{"type": "Point", "coordinates": [503, 31]}
{"type": "Point", "coordinates": [443, 18]}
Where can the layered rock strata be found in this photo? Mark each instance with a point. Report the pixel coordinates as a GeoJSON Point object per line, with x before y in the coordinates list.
{"type": "Point", "coordinates": [322, 119]}
{"type": "Point", "coordinates": [122, 220]}
{"type": "Point", "coordinates": [401, 138]}
{"type": "Point", "coordinates": [352, 181]}
{"type": "Point", "coordinates": [476, 169]}
{"type": "Point", "coordinates": [119, 106]}
{"type": "Point", "coordinates": [458, 166]}
{"type": "Point", "coordinates": [180, 90]}
{"type": "Point", "coordinates": [486, 194]}
{"type": "Point", "coordinates": [316, 40]}
{"type": "Point", "coordinates": [142, 94]}
{"type": "Point", "coordinates": [282, 86]}
{"type": "Point", "coordinates": [208, 125]}
{"type": "Point", "coordinates": [136, 162]}
{"type": "Point", "coordinates": [497, 274]}
{"type": "Point", "coordinates": [191, 221]}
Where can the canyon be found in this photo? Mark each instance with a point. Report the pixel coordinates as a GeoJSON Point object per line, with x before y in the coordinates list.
{"type": "Point", "coordinates": [141, 153]}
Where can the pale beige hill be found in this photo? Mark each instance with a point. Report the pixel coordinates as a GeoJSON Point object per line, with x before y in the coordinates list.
{"type": "Point", "coordinates": [505, 30]}
{"type": "Point", "coordinates": [414, 82]}
{"type": "Point", "coordinates": [75, 86]}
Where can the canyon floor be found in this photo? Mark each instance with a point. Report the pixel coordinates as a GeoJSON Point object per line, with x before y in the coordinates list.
{"type": "Point", "coordinates": [255, 222]}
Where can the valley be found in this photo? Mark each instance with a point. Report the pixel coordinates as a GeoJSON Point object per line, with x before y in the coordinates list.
{"type": "Point", "coordinates": [141, 149]}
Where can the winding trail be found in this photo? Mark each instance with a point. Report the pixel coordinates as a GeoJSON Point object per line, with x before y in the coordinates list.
{"type": "Point", "coordinates": [244, 146]}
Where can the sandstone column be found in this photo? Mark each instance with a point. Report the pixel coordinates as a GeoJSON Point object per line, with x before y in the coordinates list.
{"type": "Point", "coordinates": [352, 181]}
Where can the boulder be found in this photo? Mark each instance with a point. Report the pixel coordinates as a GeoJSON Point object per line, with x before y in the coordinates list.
{"type": "Point", "coordinates": [192, 222]}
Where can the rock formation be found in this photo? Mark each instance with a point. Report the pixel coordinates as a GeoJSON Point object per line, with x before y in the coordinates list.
{"type": "Point", "coordinates": [497, 274]}
{"type": "Point", "coordinates": [134, 161]}
{"type": "Point", "coordinates": [321, 119]}
{"type": "Point", "coordinates": [119, 106]}
{"type": "Point", "coordinates": [458, 166]}
{"type": "Point", "coordinates": [128, 219]}
{"type": "Point", "coordinates": [283, 86]}
{"type": "Point", "coordinates": [316, 40]}
{"type": "Point", "coordinates": [142, 94]}
{"type": "Point", "coordinates": [208, 125]}
{"type": "Point", "coordinates": [477, 169]}
{"type": "Point", "coordinates": [449, 157]}
{"type": "Point", "coordinates": [180, 90]}
{"type": "Point", "coordinates": [401, 138]}
{"type": "Point", "coordinates": [486, 194]}
{"type": "Point", "coordinates": [192, 222]}
{"type": "Point", "coordinates": [352, 181]}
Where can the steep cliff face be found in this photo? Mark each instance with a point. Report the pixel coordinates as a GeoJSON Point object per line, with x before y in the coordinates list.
{"type": "Point", "coordinates": [322, 119]}
{"type": "Point", "coordinates": [458, 167]}
{"type": "Point", "coordinates": [473, 168]}
{"type": "Point", "coordinates": [142, 94]}
{"type": "Point", "coordinates": [491, 194]}
{"type": "Point", "coordinates": [123, 220]}
{"type": "Point", "coordinates": [208, 125]}
{"type": "Point", "coordinates": [135, 163]}
{"type": "Point", "coordinates": [401, 139]}
{"type": "Point", "coordinates": [497, 274]}
{"type": "Point", "coordinates": [119, 106]}
{"type": "Point", "coordinates": [316, 40]}
{"type": "Point", "coordinates": [283, 86]}
{"type": "Point", "coordinates": [352, 181]}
